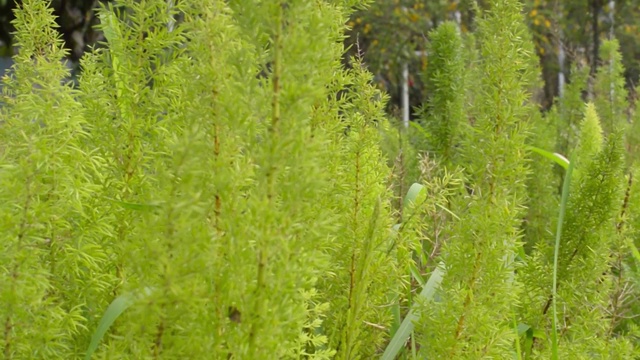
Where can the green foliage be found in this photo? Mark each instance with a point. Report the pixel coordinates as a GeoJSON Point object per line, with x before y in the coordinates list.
{"type": "Point", "coordinates": [633, 139]}
{"type": "Point", "coordinates": [406, 328]}
{"type": "Point", "coordinates": [542, 189]}
{"type": "Point", "coordinates": [570, 110]}
{"type": "Point", "coordinates": [115, 309]}
{"type": "Point", "coordinates": [590, 138]}
{"type": "Point", "coordinates": [363, 273]}
{"type": "Point", "coordinates": [400, 147]}
{"type": "Point", "coordinates": [556, 129]}
{"type": "Point", "coordinates": [444, 80]}
{"type": "Point", "coordinates": [609, 88]}
{"type": "Point", "coordinates": [583, 282]}
{"type": "Point", "coordinates": [584, 259]}
{"type": "Point", "coordinates": [205, 193]}
{"type": "Point", "coordinates": [475, 320]}
{"type": "Point", "coordinates": [52, 278]}
{"type": "Point", "coordinates": [195, 160]}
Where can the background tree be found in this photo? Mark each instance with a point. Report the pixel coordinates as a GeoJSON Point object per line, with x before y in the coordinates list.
{"type": "Point", "coordinates": [388, 33]}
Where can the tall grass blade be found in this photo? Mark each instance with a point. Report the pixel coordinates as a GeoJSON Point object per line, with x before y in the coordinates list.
{"type": "Point", "coordinates": [563, 207]}
{"type": "Point", "coordinates": [115, 309]}
{"type": "Point", "coordinates": [406, 327]}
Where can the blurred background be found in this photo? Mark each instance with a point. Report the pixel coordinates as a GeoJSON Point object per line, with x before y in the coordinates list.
{"type": "Point", "coordinates": [390, 36]}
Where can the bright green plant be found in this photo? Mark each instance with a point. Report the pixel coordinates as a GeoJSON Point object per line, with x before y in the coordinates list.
{"type": "Point", "coordinates": [426, 226]}
{"type": "Point", "coordinates": [475, 317]}
{"type": "Point", "coordinates": [542, 184]}
{"type": "Point", "coordinates": [610, 93]}
{"type": "Point", "coordinates": [364, 275]}
{"type": "Point", "coordinates": [400, 146]}
{"type": "Point", "coordinates": [583, 282]}
{"type": "Point", "coordinates": [194, 161]}
{"type": "Point", "coordinates": [570, 110]}
{"type": "Point", "coordinates": [53, 274]}
{"type": "Point", "coordinates": [444, 79]}
{"type": "Point", "coordinates": [207, 193]}
{"type": "Point", "coordinates": [629, 266]}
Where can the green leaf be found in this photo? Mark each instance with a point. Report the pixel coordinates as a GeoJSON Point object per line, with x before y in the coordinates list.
{"type": "Point", "coordinates": [528, 343]}
{"type": "Point", "coordinates": [412, 195]}
{"type": "Point", "coordinates": [115, 309]}
{"type": "Point", "coordinates": [522, 328]}
{"type": "Point", "coordinates": [555, 157]}
{"type": "Point", "coordinates": [416, 273]}
{"type": "Point", "coordinates": [406, 328]}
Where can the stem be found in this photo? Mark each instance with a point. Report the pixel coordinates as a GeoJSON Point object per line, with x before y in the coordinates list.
{"type": "Point", "coordinates": [563, 207]}
{"type": "Point", "coordinates": [263, 255]}
{"type": "Point", "coordinates": [467, 303]}
{"type": "Point", "coordinates": [218, 202]}
{"type": "Point", "coordinates": [625, 203]}
{"type": "Point", "coordinates": [8, 326]}
{"type": "Point", "coordinates": [157, 345]}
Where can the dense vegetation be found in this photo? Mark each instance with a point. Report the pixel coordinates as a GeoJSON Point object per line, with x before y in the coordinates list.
{"type": "Point", "coordinates": [218, 185]}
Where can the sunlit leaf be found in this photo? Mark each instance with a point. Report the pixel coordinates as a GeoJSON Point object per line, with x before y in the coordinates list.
{"type": "Point", "coordinates": [555, 157]}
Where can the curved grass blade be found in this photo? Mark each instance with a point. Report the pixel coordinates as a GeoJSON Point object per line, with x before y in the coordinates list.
{"type": "Point", "coordinates": [563, 207]}
{"type": "Point", "coordinates": [555, 157]}
{"type": "Point", "coordinates": [115, 309]}
{"type": "Point", "coordinates": [406, 327]}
